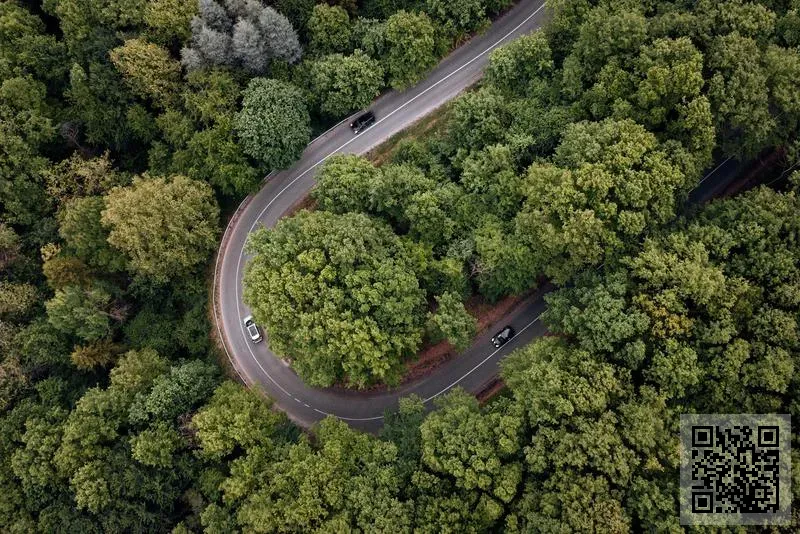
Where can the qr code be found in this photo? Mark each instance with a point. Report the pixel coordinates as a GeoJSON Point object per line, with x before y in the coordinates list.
{"type": "Point", "coordinates": [735, 469]}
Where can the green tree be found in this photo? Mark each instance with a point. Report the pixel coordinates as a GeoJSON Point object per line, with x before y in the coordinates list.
{"type": "Point", "coordinates": [99, 103]}
{"type": "Point", "coordinates": [347, 481]}
{"type": "Point", "coordinates": [99, 416]}
{"type": "Point", "coordinates": [329, 30]}
{"type": "Point", "coordinates": [342, 84]}
{"type": "Point", "coordinates": [81, 228]}
{"type": "Point", "coordinates": [477, 450]}
{"type": "Point", "coordinates": [168, 20]}
{"type": "Point", "coordinates": [553, 381]}
{"type": "Point", "coordinates": [431, 214]}
{"type": "Point", "coordinates": [24, 129]}
{"type": "Point", "coordinates": [213, 156]}
{"type": "Point", "coordinates": [98, 354]}
{"type": "Point", "coordinates": [297, 11]}
{"type": "Point", "coordinates": [148, 70]}
{"type": "Point", "coordinates": [609, 34]}
{"type": "Point", "coordinates": [502, 265]}
{"type": "Point", "coordinates": [752, 20]}
{"type": "Point", "coordinates": [479, 118]}
{"type": "Point", "coordinates": [62, 270]}
{"type": "Point", "coordinates": [82, 312]}
{"type": "Point", "coordinates": [614, 183]}
{"type": "Point", "coordinates": [152, 327]}
{"type": "Point", "coordinates": [397, 185]}
{"type": "Point", "coordinates": [28, 49]}
{"type": "Point", "coordinates": [490, 176]}
{"type": "Point", "coordinates": [17, 300]}
{"type": "Point", "coordinates": [40, 348]}
{"type": "Point", "coordinates": [782, 66]}
{"type": "Point", "coordinates": [596, 314]}
{"type": "Point", "coordinates": [136, 371]}
{"type": "Point", "coordinates": [344, 184]}
{"type": "Point", "coordinates": [339, 293]}
{"type": "Point", "coordinates": [410, 48]}
{"type": "Point", "coordinates": [90, 28]}
{"type": "Point", "coordinates": [9, 246]}
{"type": "Point", "coordinates": [401, 427]}
{"type": "Point", "coordinates": [80, 177]}
{"type": "Point", "coordinates": [739, 94]}
{"type": "Point", "coordinates": [175, 393]}
{"type": "Point", "coordinates": [575, 502]}
{"type": "Point", "coordinates": [514, 66]}
{"type": "Point", "coordinates": [32, 462]}
{"type": "Point", "coordinates": [156, 446]}
{"type": "Point", "coordinates": [211, 95]}
{"type": "Point", "coordinates": [234, 418]}
{"type": "Point", "coordinates": [166, 227]}
{"type": "Point", "coordinates": [458, 17]}
{"type": "Point", "coordinates": [672, 73]}
{"type": "Point", "coordinates": [452, 321]}
{"type": "Point", "coordinates": [273, 125]}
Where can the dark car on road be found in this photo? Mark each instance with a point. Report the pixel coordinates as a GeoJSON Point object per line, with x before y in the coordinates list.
{"type": "Point", "coordinates": [362, 122]}
{"type": "Point", "coordinates": [502, 337]}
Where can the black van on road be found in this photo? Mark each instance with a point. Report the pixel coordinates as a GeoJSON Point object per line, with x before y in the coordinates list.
{"type": "Point", "coordinates": [362, 122]}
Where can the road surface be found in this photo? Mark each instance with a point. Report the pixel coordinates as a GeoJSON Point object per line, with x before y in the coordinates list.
{"type": "Point", "coordinates": [256, 364]}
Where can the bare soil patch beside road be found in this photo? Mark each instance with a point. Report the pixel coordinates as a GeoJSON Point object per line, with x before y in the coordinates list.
{"type": "Point", "coordinates": [485, 313]}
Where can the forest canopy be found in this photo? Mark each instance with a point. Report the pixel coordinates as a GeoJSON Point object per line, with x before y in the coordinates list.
{"type": "Point", "coordinates": [128, 129]}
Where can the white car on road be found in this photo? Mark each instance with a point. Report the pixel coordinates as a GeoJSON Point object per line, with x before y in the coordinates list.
{"type": "Point", "coordinates": [252, 329]}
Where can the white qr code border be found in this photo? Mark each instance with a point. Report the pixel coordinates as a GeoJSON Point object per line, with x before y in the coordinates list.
{"type": "Point", "coordinates": [703, 460]}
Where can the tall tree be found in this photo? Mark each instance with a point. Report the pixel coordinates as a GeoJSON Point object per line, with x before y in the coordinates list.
{"type": "Point", "coordinates": [76, 176]}
{"type": "Point", "coordinates": [82, 312]}
{"type": "Point", "coordinates": [24, 129]}
{"type": "Point", "coordinates": [347, 481]}
{"type": "Point", "coordinates": [339, 293]}
{"type": "Point", "coordinates": [452, 321]}
{"type": "Point", "coordinates": [477, 450]}
{"type": "Point", "coordinates": [81, 228]}
{"type": "Point", "coordinates": [739, 94]}
{"type": "Point", "coordinates": [613, 184]}
{"type": "Point", "coordinates": [249, 47]}
{"type": "Point", "coordinates": [514, 66]}
{"type": "Point", "coordinates": [329, 30]}
{"type": "Point", "coordinates": [345, 183]}
{"type": "Point", "coordinates": [457, 17]}
{"type": "Point", "coordinates": [168, 20]}
{"type": "Point", "coordinates": [273, 125]}
{"type": "Point", "coordinates": [148, 70]}
{"type": "Point", "coordinates": [166, 227]}
{"type": "Point", "coordinates": [279, 35]}
{"type": "Point", "coordinates": [410, 45]}
{"type": "Point", "coordinates": [99, 102]}
{"type": "Point", "coordinates": [235, 418]}
{"type": "Point", "coordinates": [341, 84]}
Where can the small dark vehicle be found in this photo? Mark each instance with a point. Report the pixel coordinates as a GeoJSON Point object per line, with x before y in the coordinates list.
{"type": "Point", "coordinates": [363, 122]}
{"type": "Point", "coordinates": [502, 337]}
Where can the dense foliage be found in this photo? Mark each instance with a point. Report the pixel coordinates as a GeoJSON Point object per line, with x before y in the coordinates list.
{"type": "Point", "coordinates": [126, 123]}
{"type": "Point", "coordinates": [332, 285]}
{"type": "Point", "coordinates": [567, 157]}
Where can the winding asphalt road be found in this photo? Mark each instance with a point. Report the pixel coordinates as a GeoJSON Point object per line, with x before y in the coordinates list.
{"type": "Point", "coordinates": [257, 365]}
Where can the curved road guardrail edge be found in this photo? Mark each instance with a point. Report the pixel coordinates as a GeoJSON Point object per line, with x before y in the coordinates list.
{"type": "Point", "coordinates": [306, 405]}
